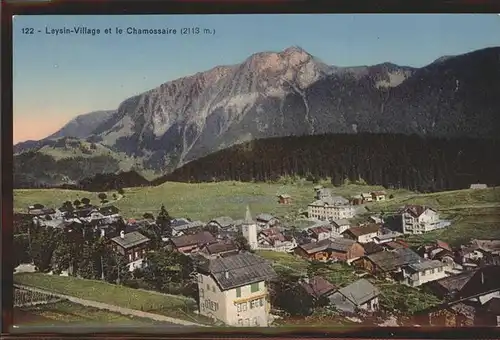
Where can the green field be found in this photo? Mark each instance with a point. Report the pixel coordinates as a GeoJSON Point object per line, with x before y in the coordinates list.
{"type": "Point", "coordinates": [65, 312]}
{"type": "Point", "coordinates": [168, 305]}
{"type": "Point", "coordinates": [202, 201]}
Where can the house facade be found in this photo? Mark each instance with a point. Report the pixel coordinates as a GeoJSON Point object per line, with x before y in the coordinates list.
{"type": "Point", "coordinates": [360, 295]}
{"type": "Point", "coordinates": [417, 274]}
{"type": "Point", "coordinates": [314, 251]}
{"type": "Point", "coordinates": [133, 246]}
{"type": "Point", "coordinates": [363, 234]}
{"type": "Point", "coordinates": [378, 196]}
{"type": "Point", "coordinates": [266, 221]}
{"type": "Point", "coordinates": [233, 290]}
{"type": "Point", "coordinates": [284, 199]}
{"type": "Point", "coordinates": [191, 243]}
{"type": "Point", "coordinates": [417, 219]}
{"type": "Point", "coordinates": [345, 250]}
{"type": "Point", "coordinates": [331, 209]}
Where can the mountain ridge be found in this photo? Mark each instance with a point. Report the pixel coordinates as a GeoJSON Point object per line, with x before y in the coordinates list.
{"type": "Point", "coordinates": [292, 93]}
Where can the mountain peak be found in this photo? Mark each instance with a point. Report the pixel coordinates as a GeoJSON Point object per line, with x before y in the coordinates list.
{"type": "Point", "coordinates": [294, 49]}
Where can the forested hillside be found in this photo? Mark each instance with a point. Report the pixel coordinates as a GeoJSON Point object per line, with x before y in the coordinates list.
{"type": "Point", "coordinates": [391, 160]}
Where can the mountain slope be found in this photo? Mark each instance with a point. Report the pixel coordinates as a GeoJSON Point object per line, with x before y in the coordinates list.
{"type": "Point", "coordinates": [292, 93]}
{"type": "Point", "coordinates": [83, 125]}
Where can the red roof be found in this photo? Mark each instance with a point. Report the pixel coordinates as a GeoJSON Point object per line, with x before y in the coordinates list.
{"type": "Point", "coordinates": [318, 286]}
{"type": "Point", "coordinates": [321, 229]}
{"type": "Point", "coordinates": [443, 245]}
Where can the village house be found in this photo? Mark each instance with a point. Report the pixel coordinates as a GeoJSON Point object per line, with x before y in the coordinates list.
{"type": "Point", "coordinates": [317, 287]}
{"type": "Point", "coordinates": [110, 211]}
{"type": "Point", "coordinates": [284, 199]}
{"type": "Point", "coordinates": [376, 219]}
{"type": "Point", "coordinates": [345, 250]}
{"type": "Point", "coordinates": [266, 220]}
{"type": "Point", "coordinates": [191, 243]}
{"type": "Point", "coordinates": [340, 225]}
{"type": "Point", "coordinates": [440, 251]}
{"type": "Point", "coordinates": [223, 222]}
{"type": "Point", "coordinates": [180, 228]}
{"type": "Point", "coordinates": [320, 232]}
{"type": "Point", "coordinates": [219, 249]}
{"type": "Point", "coordinates": [417, 274]}
{"type": "Point", "coordinates": [40, 210]}
{"type": "Point", "coordinates": [378, 196]}
{"type": "Point", "coordinates": [361, 295]}
{"type": "Point", "coordinates": [314, 251]}
{"type": "Point", "coordinates": [387, 262]}
{"type": "Point", "coordinates": [131, 245]}
{"type": "Point", "coordinates": [474, 287]}
{"type": "Point", "coordinates": [418, 219]}
{"type": "Point", "coordinates": [479, 252]}
{"type": "Point", "coordinates": [331, 208]}
{"type": "Point", "coordinates": [356, 200]}
{"type": "Point", "coordinates": [385, 238]}
{"type": "Point", "coordinates": [478, 186]}
{"type": "Point", "coordinates": [367, 197]}
{"type": "Point", "coordinates": [233, 289]}
{"type": "Point", "coordinates": [363, 234]}
{"type": "Point", "coordinates": [274, 239]}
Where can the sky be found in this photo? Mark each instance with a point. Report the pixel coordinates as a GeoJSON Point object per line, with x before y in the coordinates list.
{"type": "Point", "coordinates": [56, 78]}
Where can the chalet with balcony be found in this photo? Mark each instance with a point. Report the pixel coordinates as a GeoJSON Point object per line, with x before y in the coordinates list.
{"type": "Point", "coordinates": [133, 246]}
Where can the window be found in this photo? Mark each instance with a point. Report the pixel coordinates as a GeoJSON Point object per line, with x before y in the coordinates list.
{"type": "Point", "coordinates": [247, 322]}
{"type": "Point", "coordinates": [202, 293]}
{"type": "Point", "coordinates": [255, 321]}
{"type": "Point", "coordinates": [208, 287]}
{"type": "Point", "coordinates": [253, 304]}
{"type": "Point", "coordinates": [240, 322]}
{"type": "Point", "coordinates": [254, 287]}
{"type": "Point", "coordinates": [213, 289]}
{"type": "Point", "coordinates": [200, 278]}
{"type": "Point", "coordinates": [261, 300]}
{"type": "Point", "coordinates": [238, 292]}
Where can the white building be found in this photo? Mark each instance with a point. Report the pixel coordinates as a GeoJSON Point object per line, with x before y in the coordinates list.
{"type": "Point", "coordinates": [417, 219]}
{"type": "Point", "coordinates": [417, 274]}
{"type": "Point", "coordinates": [249, 230]}
{"type": "Point", "coordinates": [332, 208]}
{"type": "Point", "coordinates": [233, 289]}
{"type": "Point", "coordinates": [365, 234]}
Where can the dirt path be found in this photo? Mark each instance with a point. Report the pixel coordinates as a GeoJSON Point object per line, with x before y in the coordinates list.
{"type": "Point", "coordinates": [116, 309]}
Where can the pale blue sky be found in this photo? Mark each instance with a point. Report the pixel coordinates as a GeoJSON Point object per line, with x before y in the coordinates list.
{"type": "Point", "coordinates": [59, 77]}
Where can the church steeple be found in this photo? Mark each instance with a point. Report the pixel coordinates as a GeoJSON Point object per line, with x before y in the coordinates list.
{"type": "Point", "coordinates": [248, 216]}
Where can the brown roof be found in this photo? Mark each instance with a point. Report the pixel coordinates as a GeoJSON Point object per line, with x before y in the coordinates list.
{"type": "Point", "coordinates": [340, 244]}
{"type": "Point", "coordinates": [317, 286]}
{"type": "Point", "coordinates": [220, 247]}
{"type": "Point", "coordinates": [314, 247]}
{"type": "Point", "coordinates": [359, 231]}
{"type": "Point", "coordinates": [415, 210]}
{"type": "Point", "coordinates": [398, 244]}
{"type": "Point", "coordinates": [372, 248]}
{"type": "Point", "coordinates": [200, 238]}
{"type": "Point", "coordinates": [321, 229]}
{"type": "Point", "coordinates": [378, 193]}
{"type": "Point", "coordinates": [455, 282]}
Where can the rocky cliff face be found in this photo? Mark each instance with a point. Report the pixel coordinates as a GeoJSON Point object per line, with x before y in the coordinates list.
{"type": "Point", "coordinates": [293, 93]}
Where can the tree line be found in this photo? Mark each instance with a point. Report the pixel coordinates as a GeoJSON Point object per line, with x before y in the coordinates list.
{"type": "Point", "coordinates": [390, 160]}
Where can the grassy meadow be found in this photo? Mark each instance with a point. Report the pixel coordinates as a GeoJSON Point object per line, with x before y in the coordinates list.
{"type": "Point", "coordinates": [175, 306]}
{"type": "Point", "coordinates": [199, 201]}
{"type": "Point", "coordinates": [65, 312]}
{"type": "Point", "coordinates": [474, 213]}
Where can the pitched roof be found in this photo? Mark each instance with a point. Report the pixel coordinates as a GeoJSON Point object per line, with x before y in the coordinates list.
{"type": "Point", "coordinates": [492, 246]}
{"type": "Point", "coordinates": [397, 244]}
{"type": "Point", "coordinates": [284, 196]}
{"type": "Point", "coordinates": [264, 217]}
{"type": "Point", "coordinates": [359, 231]}
{"type": "Point", "coordinates": [341, 244]}
{"type": "Point", "coordinates": [317, 286]}
{"type": "Point", "coordinates": [223, 221]}
{"type": "Point", "coordinates": [426, 265]}
{"type": "Point", "coordinates": [366, 195]}
{"type": "Point", "coordinates": [340, 222]}
{"type": "Point", "coordinates": [388, 236]}
{"type": "Point", "coordinates": [320, 229]}
{"type": "Point", "coordinates": [334, 200]}
{"type": "Point", "coordinates": [237, 270]}
{"type": "Point", "coordinates": [130, 240]}
{"type": "Point", "coordinates": [378, 193]}
{"type": "Point", "coordinates": [201, 238]}
{"type": "Point", "coordinates": [391, 260]}
{"type": "Point", "coordinates": [493, 306]}
{"type": "Point", "coordinates": [455, 282]}
{"type": "Point", "coordinates": [220, 247]}
{"type": "Point", "coordinates": [314, 247]}
{"type": "Point", "coordinates": [109, 210]}
{"type": "Point", "coordinates": [372, 248]}
{"type": "Point", "coordinates": [443, 245]}
{"type": "Point", "coordinates": [360, 292]}
{"type": "Point", "coordinates": [416, 210]}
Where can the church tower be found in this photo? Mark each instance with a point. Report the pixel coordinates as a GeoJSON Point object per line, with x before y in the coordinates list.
{"type": "Point", "coordinates": [249, 229]}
